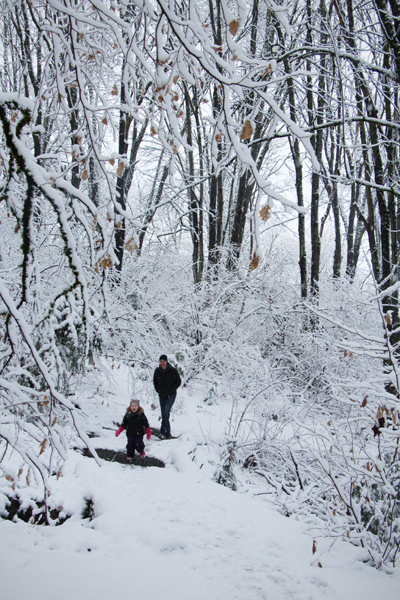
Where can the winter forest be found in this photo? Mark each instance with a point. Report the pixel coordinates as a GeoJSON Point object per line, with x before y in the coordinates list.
{"type": "Point", "coordinates": [217, 180]}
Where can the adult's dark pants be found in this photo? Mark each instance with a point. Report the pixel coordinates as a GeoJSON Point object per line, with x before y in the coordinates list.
{"type": "Point", "coordinates": [166, 403]}
{"type": "Point", "coordinates": [134, 444]}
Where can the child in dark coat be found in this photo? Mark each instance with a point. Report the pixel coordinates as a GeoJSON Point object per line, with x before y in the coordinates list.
{"type": "Point", "coordinates": [136, 424]}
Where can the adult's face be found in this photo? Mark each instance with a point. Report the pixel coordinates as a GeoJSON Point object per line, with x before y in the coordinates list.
{"type": "Point", "coordinates": [163, 364]}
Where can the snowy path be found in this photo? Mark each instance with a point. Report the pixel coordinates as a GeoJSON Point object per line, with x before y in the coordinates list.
{"type": "Point", "coordinates": [175, 535]}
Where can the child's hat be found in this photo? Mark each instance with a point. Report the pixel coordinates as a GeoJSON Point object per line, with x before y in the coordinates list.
{"type": "Point", "coordinates": [163, 357]}
{"type": "Point", "coordinates": [135, 401]}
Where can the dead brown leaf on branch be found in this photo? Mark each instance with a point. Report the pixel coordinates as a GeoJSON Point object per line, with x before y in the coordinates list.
{"type": "Point", "coordinates": [233, 27]}
{"type": "Point", "coordinates": [121, 168]}
{"type": "Point", "coordinates": [265, 212]}
{"type": "Point", "coordinates": [255, 261]}
{"type": "Point", "coordinates": [247, 130]}
{"type": "Point", "coordinates": [131, 245]}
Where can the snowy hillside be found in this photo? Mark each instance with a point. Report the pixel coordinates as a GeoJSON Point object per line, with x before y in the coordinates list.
{"type": "Point", "coordinates": [173, 532]}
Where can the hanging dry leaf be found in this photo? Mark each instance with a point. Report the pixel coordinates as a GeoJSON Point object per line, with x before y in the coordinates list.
{"type": "Point", "coordinates": [364, 402]}
{"type": "Point", "coordinates": [233, 27]}
{"type": "Point", "coordinates": [265, 212]}
{"type": "Point", "coordinates": [153, 132]}
{"type": "Point", "coordinates": [179, 114]}
{"type": "Point", "coordinates": [388, 319]}
{"type": "Point", "coordinates": [14, 117]}
{"type": "Point", "coordinates": [121, 167]}
{"type": "Point", "coordinates": [106, 263]}
{"type": "Point", "coordinates": [112, 162]}
{"type": "Point", "coordinates": [268, 70]}
{"type": "Point", "coordinates": [254, 262]}
{"type": "Point", "coordinates": [43, 446]}
{"type": "Point", "coordinates": [314, 547]}
{"type": "Point", "coordinates": [175, 79]}
{"type": "Point", "coordinates": [85, 174]}
{"type": "Point", "coordinates": [105, 121]}
{"type": "Point", "coordinates": [218, 138]}
{"type": "Point", "coordinates": [158, 89]}
{"type": "Point", "coordinates": [247, 130]}
{"type": "Point", "coordinates": [114, 91]}
{"type": "Point", "coordinates": [54, 421]}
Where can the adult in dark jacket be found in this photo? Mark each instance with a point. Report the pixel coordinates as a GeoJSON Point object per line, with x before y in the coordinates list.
{"type": "Point", "coordinates": [166, 381]}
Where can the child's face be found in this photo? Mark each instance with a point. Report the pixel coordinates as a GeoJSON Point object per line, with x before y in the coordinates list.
{"type": "Point", "coordinates": [134, 407]}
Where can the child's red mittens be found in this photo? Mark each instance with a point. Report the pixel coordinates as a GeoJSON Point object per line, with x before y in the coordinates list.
{"type": "Point", "coordinates": [148, 433]}
{"type": "Point", "coordinates": [119, 430]}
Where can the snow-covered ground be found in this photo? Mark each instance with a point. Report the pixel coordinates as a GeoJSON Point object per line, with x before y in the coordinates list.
{"type": "Point", "coordinates": [173, 533]}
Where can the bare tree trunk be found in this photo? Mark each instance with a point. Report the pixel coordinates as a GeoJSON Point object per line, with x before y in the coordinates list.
{"type": "Point", "coordinates": [195, 212]}
{"type": "Point", "coordinates": [295, 149]}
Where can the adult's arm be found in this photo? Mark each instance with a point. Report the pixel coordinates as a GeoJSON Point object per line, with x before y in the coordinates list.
{"type": "Point", "coordinates": [155, 382]}
{"type": "Point", "coordinates": [177, 378]}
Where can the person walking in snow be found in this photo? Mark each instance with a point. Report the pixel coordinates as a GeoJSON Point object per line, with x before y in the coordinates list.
{"type": "Point", "coordinates": [166, 382]}
{"type": "Point", "coordinates": [136, 424]}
